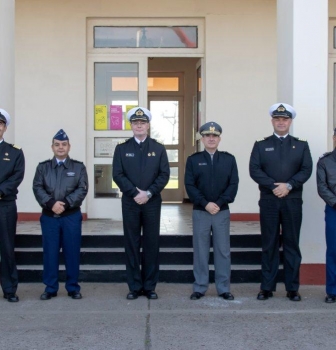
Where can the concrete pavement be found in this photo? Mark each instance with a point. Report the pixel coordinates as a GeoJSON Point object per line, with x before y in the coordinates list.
{"type": "Point", "coordinates": [104, 319]}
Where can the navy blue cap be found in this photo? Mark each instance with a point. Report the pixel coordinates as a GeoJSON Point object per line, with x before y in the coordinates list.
{"type": "Point", "coordinates": [210, 128]}
{"type": "Point", "coordinates": [61, 136]}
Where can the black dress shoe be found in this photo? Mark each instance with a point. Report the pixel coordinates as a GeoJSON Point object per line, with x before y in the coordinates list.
{"type": "Point", "coordinates": [196, 296]}
{"type": "Point", "coordinates": [294, 296]}
{"type": "Point", "coordinates": [11, 297]}
{"type": "Point", "coordinates": [150, 294]}
{"type": "Point", "coordinates": [264, 295]}
{"type": "Point", "coordinates": [134, 295]}
{"type": "Point", "coordinates": [330, 298]}
{"type": "Point", "coordinates": [75, 294]}
{"type": "Point", "coordinates": [227, 296]}
{"type": "Point", "coordinates": [48, 295]}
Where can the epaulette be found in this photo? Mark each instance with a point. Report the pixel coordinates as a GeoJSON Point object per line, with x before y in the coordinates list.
{"type": "Point", "coordinates": [123, 141]}
{"type": "Point", "coordinates": [77, 161]}
{"type": "Point", "coordinates": [16, 146]}
{"type": "Point", "coordinates": [45, 161]}
{"type": "Point", "coordinates": [194, 154]}
{"type": "Point", "coordinates": [325, 154]}
{"type": "Point", "coordinates": [227, 153]}
{"type": "Point", "coordinates": [299, 139]}
{"type": "Point", "coordinates": [263, 139]}
{"type": "Point", "coordinates": [159, 141]}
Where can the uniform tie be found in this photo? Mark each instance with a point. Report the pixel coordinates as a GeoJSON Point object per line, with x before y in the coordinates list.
{"type": "Point", "coordinates": [281, 138]}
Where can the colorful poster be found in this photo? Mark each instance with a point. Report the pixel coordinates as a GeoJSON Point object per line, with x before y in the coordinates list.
{"type": "Point", "coordinates": [127, 123]}
{"type": "Point", "coordinates": [116, 117]}
{"type": "Point", "coordinates": [100, 121]}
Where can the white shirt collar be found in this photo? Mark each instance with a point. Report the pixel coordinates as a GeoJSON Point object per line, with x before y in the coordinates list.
{"type": "Point", "coordinates": [138, 141]}
{"type": "Point", "coordinates": [278, 136]}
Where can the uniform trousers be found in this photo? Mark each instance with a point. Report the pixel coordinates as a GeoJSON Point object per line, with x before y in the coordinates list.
{"type": "Point", "coordinates": [203, 224]}
{"type": "Point", "coordinates": [8, 219]}
{"type": "Point", "coordinates": [330, 232]}
{"type": "Point", "coordinates": [66, 233]}
{"type": "Point", "coordinates": [147, 217]}
{"type": "Point", "coordinates": [287, 214]}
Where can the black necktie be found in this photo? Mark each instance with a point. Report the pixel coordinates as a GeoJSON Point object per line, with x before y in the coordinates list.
{"type": "Point", "coordinates": [281, 138]}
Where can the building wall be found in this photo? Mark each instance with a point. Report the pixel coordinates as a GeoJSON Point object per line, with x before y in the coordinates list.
{"type": "Point", "coordinates": [240, 64]}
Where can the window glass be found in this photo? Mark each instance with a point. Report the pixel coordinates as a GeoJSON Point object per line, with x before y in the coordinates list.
{"type": "Point", "coordinates": [145, 37]}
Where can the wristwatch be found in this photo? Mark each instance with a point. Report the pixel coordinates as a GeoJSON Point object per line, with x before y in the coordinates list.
{"type": "Point", "coordinates": [149, 194]}
{"type": "Point", "coordinates": [289, 186]}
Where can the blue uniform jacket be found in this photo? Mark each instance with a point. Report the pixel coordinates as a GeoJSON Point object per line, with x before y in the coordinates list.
{"type": "Point", "coordinates": [12, 167]}
{"type": "Point", "coordinates": [146, 168]}
{"type": "Point", "coordinates": [273, 161]}
{"type": "Point", "coordinates": [211, 182]}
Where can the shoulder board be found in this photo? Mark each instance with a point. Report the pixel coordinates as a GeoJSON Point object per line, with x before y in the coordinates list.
{"type": "Point", "coordinates": [123, 141]}
{"type": "Point", "coordinates": [299, 139]}
{"type": "Point", "coordinates": [16, 146]}
{"type": "Point", "coordinates": [226, 153]}
{"type": "Point", "coordinates": [263, 139]}
{"type": "Point", "coordinates": [194, 154]}
{"type": "Point", "coordinates": [158, 141]}
{"type": "Point", "coordinates": [45, 161]}
{"type": "Point", "coordinates": [325, 154]}
{"type": "Point", "coordinates": [77, 161]}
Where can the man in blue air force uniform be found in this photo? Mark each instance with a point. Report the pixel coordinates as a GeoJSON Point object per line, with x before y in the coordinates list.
{"type": "Point", "coordinates": [12, 168]}
{"type": "Point", "coordinates": [60, 186]}
{"type": "Point", "coordinates": [280, 164]}
{"type": "Point", "coordinates": [141, 171]}
{"type": "Point", "coordinates": [211, 181]}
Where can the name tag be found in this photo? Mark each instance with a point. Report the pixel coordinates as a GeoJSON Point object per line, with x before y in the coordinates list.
{"type": "Point", "coordinates": [70, 174]}
{"type": "Point", "coordinates": [202, 164]}
{"type": "Point", "coordinates": [269, 149]}
{"type": "Point", "coordinates": [129, 154]}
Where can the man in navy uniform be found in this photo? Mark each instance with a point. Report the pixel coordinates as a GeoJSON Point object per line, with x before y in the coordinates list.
{"type": "Point", "coordinates": [141, 171]}
{"type": "Point", "coordinates": [326, 186]}
{"type": "Point", "coordinates": [12, 167]}
{"type": "Point", "coordinates": [211, 181]}
{"type": "Point", "coordinates": [280, 164]}
{"type": "Point", "coordinates": [60, 186]}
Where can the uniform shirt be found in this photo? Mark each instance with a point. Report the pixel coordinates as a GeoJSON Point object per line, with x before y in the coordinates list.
{"type": "Point", "coordinates": [326, 177]}
{"type": "Point", "coordinates": [67, 183]}
{"type": "Point", "coordinates": [287, 161]}
{"type": "Point", "coordinates": [144, 166]}
{"type": "Point", "coordinates": [12, 167]}
{"type": "Point", "coordinates": [211, 181]}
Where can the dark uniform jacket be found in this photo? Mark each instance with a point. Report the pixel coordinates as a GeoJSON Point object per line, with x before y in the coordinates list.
{"type": "Point", "coordinates": [71, 188]}
{"type": "Point", "coordinates": [146, 168]}
{"type": "Point", "coordinates": [207, 181]}
{"type": "Point", "coordinates": [287, 161]}
{"type": "Point", "coordinates": [12, 167]}
{"type": "Point", "coordinates": [326, 177]}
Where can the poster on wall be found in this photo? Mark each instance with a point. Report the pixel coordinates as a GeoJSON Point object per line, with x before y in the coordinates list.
{"type": "Point", "coordinates": [116, 117]}
{"type": "Point", "coordinates": [127, 123]}
{"type": "Point", "coordinates": [104, 146]}
{"type": "Point", "coordinates": [100, 121]}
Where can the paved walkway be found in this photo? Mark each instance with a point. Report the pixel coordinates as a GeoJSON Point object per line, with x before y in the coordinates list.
{"type": "Point", "coordinates": [104, 319]}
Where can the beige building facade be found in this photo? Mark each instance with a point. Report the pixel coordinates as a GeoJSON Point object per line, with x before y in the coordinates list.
{"type": "Point", "coordinates": [58, 72]}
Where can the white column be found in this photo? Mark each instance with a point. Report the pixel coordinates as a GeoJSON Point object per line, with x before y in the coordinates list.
{"type": "Point", "coordinates": [7, 61]}
{"type": "Point", "coordinates": [302, 82]}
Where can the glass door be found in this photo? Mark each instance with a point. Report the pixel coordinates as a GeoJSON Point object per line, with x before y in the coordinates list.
{"type": "Point", "coordinates": [166, 127]}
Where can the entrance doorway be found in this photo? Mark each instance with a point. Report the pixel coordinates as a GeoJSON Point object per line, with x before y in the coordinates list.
{"type": "Point", "coordinates": [168, 87]}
